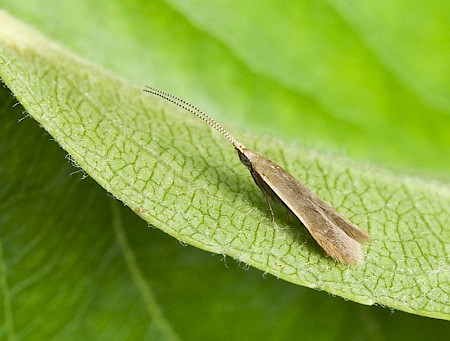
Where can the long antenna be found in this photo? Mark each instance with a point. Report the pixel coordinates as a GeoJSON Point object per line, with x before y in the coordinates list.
{"type": "Point", "coordinates": [196, 111]}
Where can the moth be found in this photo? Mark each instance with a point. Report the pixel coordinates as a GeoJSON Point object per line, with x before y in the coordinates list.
{"type": "Point", "coordinates": [338, 236]}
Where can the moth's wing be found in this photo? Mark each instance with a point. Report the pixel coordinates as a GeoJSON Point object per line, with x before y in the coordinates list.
{"type": "Point", "coordinates": [329, 235]}
{"type": "Point", "coordinates": [349, 228]}
{"type": "Point", "coordinates": [335, 234]}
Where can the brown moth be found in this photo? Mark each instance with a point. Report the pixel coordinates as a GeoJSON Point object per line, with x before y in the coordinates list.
{"type": "Point", "coordinates": [339, 237]}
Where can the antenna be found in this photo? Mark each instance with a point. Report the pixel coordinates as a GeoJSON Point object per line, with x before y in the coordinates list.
{"type": "Point", "coordinates": [196, 111]}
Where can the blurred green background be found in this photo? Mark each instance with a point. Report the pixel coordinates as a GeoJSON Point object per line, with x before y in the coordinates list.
{"type": "Point", "coordinates": [359, 78]}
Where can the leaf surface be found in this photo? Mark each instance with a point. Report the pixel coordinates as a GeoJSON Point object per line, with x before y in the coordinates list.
{"type": "Point", "coordinates": [182, 178]}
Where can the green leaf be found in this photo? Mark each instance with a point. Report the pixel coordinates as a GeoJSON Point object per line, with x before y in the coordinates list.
{"type": "Point", "coordinates": [134, 146]}
{"type": "Point", "coordinates": [175, 173]}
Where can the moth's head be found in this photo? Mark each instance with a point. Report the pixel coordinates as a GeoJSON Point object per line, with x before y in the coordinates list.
{"type": "Point", "coordinates": [244, 159]}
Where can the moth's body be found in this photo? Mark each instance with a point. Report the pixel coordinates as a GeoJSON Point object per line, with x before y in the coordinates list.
{"type": "Point", "coordinates": [339, 237]}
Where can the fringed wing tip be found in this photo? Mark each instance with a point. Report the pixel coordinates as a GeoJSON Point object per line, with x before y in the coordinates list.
{"type": "Point", "coordinates": [349, 252]}
{"type": "Point", "coordinates": [340, 238]}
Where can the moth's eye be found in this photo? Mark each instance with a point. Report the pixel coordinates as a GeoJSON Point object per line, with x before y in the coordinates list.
{"type": "Point", "coordinates": [244, 159]}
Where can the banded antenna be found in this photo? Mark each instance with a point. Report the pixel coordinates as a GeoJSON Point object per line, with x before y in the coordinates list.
{"type": "Point", "coordinates": [196, 111]}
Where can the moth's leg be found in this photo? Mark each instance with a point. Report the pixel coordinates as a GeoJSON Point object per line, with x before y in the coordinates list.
{"type": "Point", "coordinates": [268, 193]}
{"type": "Point", "coordinates": [270, 207]}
